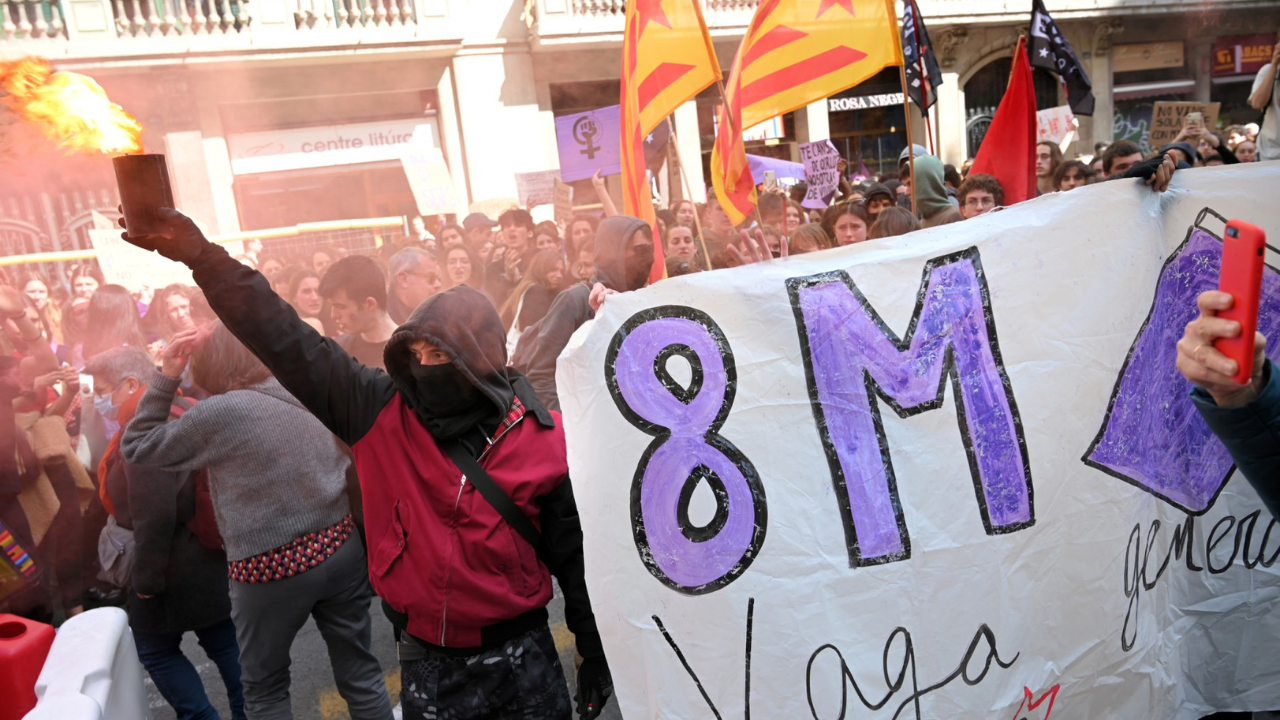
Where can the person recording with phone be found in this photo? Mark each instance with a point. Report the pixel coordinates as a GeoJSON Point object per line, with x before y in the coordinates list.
{"type": "Point", "coordinates": [1244, 416]}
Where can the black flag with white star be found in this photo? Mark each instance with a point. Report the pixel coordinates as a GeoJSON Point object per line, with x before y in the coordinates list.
{"type": "Point", "coordinates": [915, 45]}
{"type": "Point", "coordinates": [1051, 51]}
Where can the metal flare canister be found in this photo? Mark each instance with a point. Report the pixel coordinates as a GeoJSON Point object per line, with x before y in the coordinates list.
{"type": "Point", "coordinates": [143, 181]}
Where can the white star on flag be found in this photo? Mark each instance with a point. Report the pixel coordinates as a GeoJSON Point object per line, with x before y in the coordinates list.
{"type": "Point", "coordinates": [1044, 52]}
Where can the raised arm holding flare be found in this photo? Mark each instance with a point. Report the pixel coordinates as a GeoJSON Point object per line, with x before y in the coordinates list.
{"type": "Point", "coordinates": [475, 636]}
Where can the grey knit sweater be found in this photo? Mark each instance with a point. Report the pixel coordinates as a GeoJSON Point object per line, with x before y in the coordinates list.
{"type": "Point", "coordinates": [275, 473]}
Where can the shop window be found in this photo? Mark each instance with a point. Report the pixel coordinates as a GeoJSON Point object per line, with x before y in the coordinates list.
{"type": "Point", "coordinates": [289, 198]}
{"type": "Point", "coordinates": [984, 90]}
{"type": "Point", "coordinates": [872, 130]}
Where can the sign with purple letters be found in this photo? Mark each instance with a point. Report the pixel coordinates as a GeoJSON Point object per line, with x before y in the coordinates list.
{"type": "Point", "coordinates": [952, 474]}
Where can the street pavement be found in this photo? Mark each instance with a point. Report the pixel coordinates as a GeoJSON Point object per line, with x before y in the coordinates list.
{"type": "Point", "coordinates": [314, 695]}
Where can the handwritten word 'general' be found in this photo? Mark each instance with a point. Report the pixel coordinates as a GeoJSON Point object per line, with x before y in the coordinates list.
{"type": "Point", "coordinates": [1137, 559]}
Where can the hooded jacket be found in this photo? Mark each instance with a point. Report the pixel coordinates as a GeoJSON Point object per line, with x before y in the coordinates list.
{"type": "Point", "coordinates": [453, 572]}
{"type": "Point", "coordinates": [931, 193]}
{"type": "Point", "coordinates": [542, 342]}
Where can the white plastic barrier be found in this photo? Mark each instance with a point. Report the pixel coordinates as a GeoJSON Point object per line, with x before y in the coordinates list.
{"type": "Point", "coordinates": [92, 672]}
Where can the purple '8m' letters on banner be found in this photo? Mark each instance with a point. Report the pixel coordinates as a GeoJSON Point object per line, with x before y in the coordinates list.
{"type": "Point", "coordinates": [851, 356]}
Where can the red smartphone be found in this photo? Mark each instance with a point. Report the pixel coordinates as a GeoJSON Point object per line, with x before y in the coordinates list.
{"type": "Point", "coordinates": [1242, 259]}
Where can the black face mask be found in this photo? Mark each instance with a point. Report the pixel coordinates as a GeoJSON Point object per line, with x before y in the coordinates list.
{"type": "Point", "coordinates": [638, 263]}
{"type": "Point", "coordinates": [443, 391]}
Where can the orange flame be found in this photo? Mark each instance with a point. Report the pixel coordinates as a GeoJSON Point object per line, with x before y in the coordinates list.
{"type": "Point", "coordinates": [71, 109]}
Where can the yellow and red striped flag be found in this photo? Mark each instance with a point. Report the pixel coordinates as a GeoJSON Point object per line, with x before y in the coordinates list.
{"type": "Point", "coordinates": [795, 52]}
{"type": "Point", "coordinates": [667, 58]}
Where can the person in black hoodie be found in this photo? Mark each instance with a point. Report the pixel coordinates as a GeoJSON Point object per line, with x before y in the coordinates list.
{"type": "Point", "coordinates": [624, 254]}
{"type": "Point", "coordinates": [179, 585]}
{"type": "Point", "coordinates": [463, 583]}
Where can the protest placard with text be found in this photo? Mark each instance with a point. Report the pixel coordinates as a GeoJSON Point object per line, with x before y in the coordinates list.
{"type": "Point", "coordinates": [821, 160]}
{"type": "Point", "coordinates": [1168, 118]}
{"type": "Point", "coordinates": [537, 188]}
{"type": "Point", "coordinates": [949, 474]}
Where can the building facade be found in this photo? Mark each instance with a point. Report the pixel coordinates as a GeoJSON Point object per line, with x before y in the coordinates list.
{"type": "Point", "coordinates": [278, 112]}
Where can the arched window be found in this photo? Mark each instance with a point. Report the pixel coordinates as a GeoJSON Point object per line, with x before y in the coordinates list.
{"type": "Point", "coordinates": [984, 90]}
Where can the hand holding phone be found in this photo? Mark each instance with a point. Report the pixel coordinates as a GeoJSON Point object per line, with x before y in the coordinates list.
{"type": "Point", "coordinates": [1195, 119]}
{"type": "Point", "coordinates": [1241, 277]}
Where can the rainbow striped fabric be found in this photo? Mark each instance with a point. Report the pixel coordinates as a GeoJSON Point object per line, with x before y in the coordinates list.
{"type": "Point", "coordinates": [20, 559]}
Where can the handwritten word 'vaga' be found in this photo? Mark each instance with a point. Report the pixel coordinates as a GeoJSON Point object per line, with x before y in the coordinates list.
{"type": "Point", "coordinates": [853, 361]}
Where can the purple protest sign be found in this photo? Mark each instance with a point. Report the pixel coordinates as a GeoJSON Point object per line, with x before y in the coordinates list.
{"type": "Point", "coordinates": [589, 142]}
{"type": "Point", "coordinates": [821, 169]}
{"type": "Point", "coordinates": [852, 357]}
{"type": "Point", "coordinates": [1152, 435]}
{"type": "Point", "coordinates": [687, 451]}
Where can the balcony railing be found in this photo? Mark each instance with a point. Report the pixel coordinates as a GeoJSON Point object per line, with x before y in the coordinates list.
{"type": "Point", "coordinates": [30, 19]}
{"type": "Point", "coordinates": [553, 19]}
{"type": "Point", "coordinates": [126, 28]}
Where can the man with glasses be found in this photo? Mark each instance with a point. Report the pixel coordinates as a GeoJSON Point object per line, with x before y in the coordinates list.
{"type": "Point", "coordinates": [979, 194]}
{"type": "Point", "coordinates": [415, 276]}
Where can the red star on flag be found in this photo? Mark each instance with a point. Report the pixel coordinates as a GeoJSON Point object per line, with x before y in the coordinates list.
{"type": "Point", "coordinates": [828, 4]}
{"type": "Point", "coordinates": [651, 10]}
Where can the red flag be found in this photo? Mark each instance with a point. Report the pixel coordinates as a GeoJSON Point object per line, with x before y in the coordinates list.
{"type": "Point", "coordinates": [1009, 148]}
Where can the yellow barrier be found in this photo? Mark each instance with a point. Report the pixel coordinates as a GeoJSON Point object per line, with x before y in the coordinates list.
{"type": "Point", "coordinates": [293, 231]}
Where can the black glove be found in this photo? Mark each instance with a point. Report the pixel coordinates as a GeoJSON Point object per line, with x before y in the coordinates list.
{"type": "Point", "coordinates": [181, 240]}
{"type": "Point", "coordinates": [595, 685]}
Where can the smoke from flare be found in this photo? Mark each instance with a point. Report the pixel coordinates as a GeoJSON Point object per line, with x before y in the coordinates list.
{"type": "Point", "coordinates": [71, 109]}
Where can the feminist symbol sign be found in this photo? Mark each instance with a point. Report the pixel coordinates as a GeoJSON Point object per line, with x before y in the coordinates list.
{"type": "Point", "coordinates": [585, 131]}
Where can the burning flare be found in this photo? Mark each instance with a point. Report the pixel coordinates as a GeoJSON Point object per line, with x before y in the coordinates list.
{"type": "Point", "coordinates": [71, 109]}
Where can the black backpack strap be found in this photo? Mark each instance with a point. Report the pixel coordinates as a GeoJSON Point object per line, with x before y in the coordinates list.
{"type": "Point", "coordinates": [495, 495]}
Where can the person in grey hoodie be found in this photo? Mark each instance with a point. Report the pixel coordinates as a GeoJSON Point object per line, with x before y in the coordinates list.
{"type": "Point", "coordinates": [624, 255]}
{"type": "Point", "coordinates": [278, 481]}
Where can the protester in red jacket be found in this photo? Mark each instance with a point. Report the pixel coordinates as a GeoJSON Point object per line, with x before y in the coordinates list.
{"type": "Point", "coordinates": [467, 591]}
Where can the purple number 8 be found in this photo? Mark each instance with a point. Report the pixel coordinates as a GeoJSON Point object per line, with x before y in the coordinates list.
{"type": "Point", "coordinates": [687, 450]}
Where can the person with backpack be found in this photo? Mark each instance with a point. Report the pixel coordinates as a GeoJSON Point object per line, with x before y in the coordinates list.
{"type": "Point", "coordinates": [468, 506]}
{"type": "Point", "coordinates": [279, 486]}
{"type": "Point", "coordinates": [161, 540]}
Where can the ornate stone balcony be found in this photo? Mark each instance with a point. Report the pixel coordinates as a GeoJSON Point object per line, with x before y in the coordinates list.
{"type": "Point", "coordinates": [120, 30]}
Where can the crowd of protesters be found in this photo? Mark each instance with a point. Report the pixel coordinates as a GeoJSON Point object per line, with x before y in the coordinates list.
{"type": "Point", "coordinates": [286, 443]}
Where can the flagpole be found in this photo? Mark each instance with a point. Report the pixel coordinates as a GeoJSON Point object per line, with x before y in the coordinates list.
{"type": "Point", "coordinates": [924, 79]}
{"type": "Point", "coordinates": [688, 189]}
{"type": "Point", "coordinates": [728, 116]}
{"type": "Point", "coordinates": [911, 156]}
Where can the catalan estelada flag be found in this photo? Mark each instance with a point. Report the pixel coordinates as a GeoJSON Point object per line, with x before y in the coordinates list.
{"type": "Point", "coordinates": [667, 58]}
{"type": "Point", "coordinates": [795, 52]}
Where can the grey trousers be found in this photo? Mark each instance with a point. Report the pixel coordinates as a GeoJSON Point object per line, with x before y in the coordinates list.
{"type": "Point", "coordinates": [269, 615]}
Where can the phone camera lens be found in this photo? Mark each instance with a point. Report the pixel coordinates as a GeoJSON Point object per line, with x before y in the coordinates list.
{"type": "Point", "coordinates": [1232, 232]}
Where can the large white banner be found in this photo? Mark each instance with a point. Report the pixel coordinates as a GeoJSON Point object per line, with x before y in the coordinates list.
{"type": "Point", "coordinates": [954, 474]}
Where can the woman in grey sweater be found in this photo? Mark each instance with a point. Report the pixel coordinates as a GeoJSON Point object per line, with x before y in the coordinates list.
{"type": "Point", "coordinates": [278, 482]}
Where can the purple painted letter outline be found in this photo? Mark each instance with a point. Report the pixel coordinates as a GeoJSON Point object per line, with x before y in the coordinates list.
{"type": "Point", "coordinates": [687, 450]}
{"type": "Point", "coordinates": [851, 356]}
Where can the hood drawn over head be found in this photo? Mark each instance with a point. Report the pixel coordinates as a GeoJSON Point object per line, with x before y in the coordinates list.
{"type": "Point", "coordinates": [611, 250]}
{"type": "Point", "coordinates": [462, 323]}
{"type": "Point", "coordinates": [931, 187]}
{"type": "Point", "coordinates": [877, 190]}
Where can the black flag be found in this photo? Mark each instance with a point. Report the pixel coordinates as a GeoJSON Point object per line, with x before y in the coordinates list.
{"type": "Point", "coordinates": [1051, 51]}
{"type": "Point", "coordinates": [916, 45]}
